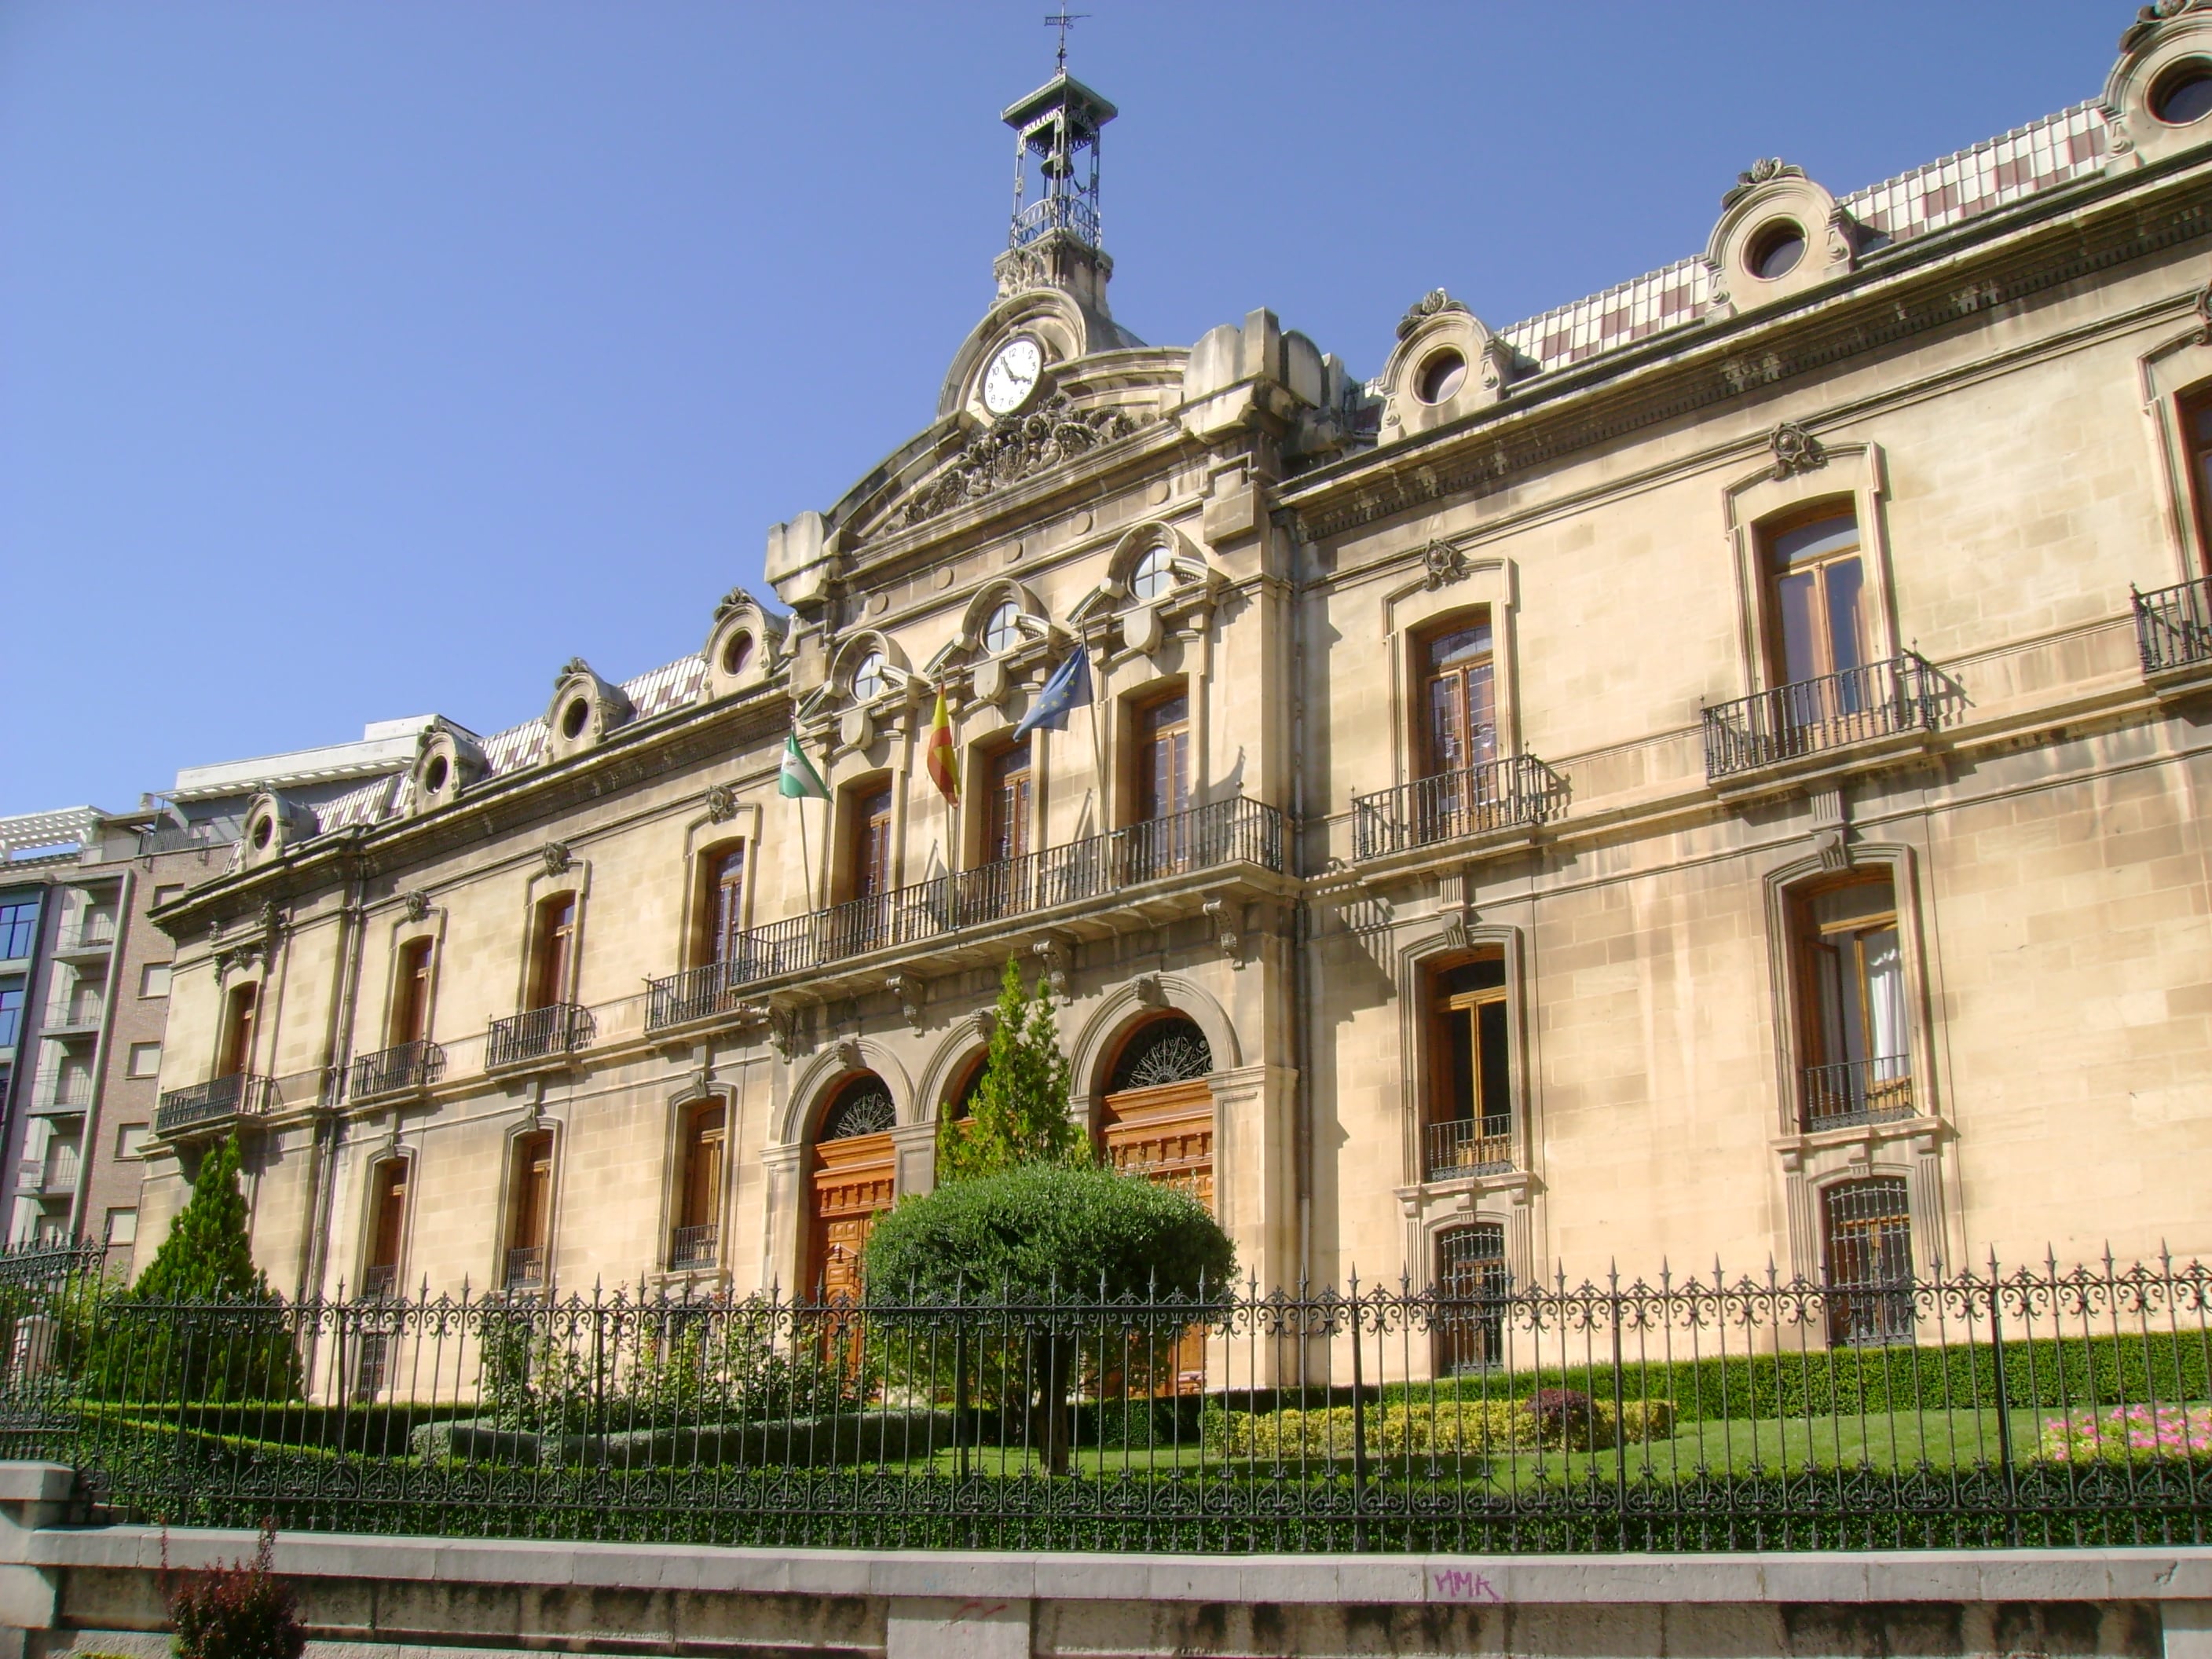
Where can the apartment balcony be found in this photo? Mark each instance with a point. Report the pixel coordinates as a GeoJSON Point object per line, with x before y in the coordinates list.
{"type": "Point", "coordinates": [406, 1068]}
{"type": "Point", "coordinates": [92, 936]}
{"type": "Point", "coordinates": [1467, 1147]}
{"type": "Point", "coordinates": [2173, 631]}
{"type": "Point", "coordinates": [526, 1267]}
{"type": "Point", "coordinates": [62, 1095]}
{"type": "Point", "coordinates": [1856, 1091]}
{"type": "Point", "coordinates": [54, 1176]}
{"type": "Point", "coordinates": [1149, 872]}
{"type": "Point", "coordinates": [213, 1107]}
{"type": "Point", "coordinates": [691, 1247]}
{"type": "Point", "coordinates": [538, 1036]}
{"type": "Point", "coordinates": [185, 838]}
{"type": "Point", "coordinates": [1828, 724]}
{"type": "Point", "coordinates": [1501, 797]}
{"type": "Point", "coordinates": [73, 1016]}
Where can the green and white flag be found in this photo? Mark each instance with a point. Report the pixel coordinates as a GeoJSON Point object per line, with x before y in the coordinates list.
{"type": "Point", "coordinates": [799, 780]}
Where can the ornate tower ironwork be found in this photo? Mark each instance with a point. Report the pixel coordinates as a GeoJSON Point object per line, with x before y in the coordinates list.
{"type": "Point", "coordinates": [1054, 238]}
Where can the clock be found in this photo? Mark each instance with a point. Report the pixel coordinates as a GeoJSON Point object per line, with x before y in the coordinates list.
{"type": "Point", "coordinates": [1012, 376]}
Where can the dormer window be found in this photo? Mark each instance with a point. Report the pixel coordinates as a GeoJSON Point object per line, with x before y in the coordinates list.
{"type": "Point", "coordinates": [1441, 378]}
{"type": "Point", "coordinates": [1154, 574]}
{"type": "Point", "coordinates": [2184, 94]}
{"type": "Point", "coordinates": [1777, 250]}
{"type": "Point", "coordinates": [575, 718]}
{"type": "Point", "coordinates": [264, 830]}
{"type": "Point", "coordinates": [1003, 631]}
{"type": "Point", "coordinates": [868, 678]}
{"type": "Point", "coordinates": [434, 778]}
{"type": "Point", "coordinates": [737, 653]}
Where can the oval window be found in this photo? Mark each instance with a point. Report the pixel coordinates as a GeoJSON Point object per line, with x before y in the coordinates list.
{"type": "Point", "coordinates": [868, 678]}
{"type": "Point", "coordinates": [1777, 250]}
{"type": "Point", "coordinates": [737, 653]}
{"type": "Point", "coordinates": [434, 776]}
{"type": "Point", "coordinates": [1441, 378]}
{"type": "Point", "coordinates": [1154, 574]}
{"type": "Point", "coordinates": [262, 829]}
{"type": "Point", "coordinates": [2184, 93]}
{"type": "Point", "coordinates": [1003, 631]}
{"type": "Point", "coordinates": [575, 718]}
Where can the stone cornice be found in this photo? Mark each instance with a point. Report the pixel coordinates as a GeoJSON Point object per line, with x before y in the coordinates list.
{"type": "Point", "coordinates": [1929, 283]}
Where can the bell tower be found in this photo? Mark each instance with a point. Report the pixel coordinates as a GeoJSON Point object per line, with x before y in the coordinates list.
{"type": "Point", "coordinates": [1054, 241]}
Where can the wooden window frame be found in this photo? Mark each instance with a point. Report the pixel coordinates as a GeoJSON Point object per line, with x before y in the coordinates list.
{"type": "Point", "coordinates": [1427, 764]}
{"type": "Point", "coordinates": [553, 943]}
{"type": "Point", "coordinates": [413, 965]}
{"type": "Point", "coordinates": [239, 1033]}
{"type": "Point", "coordinates": [1773, 628]}
{"type": "Point", "coordinates": [709, 938]}
{"type": "Point", "coordinates": [1141, 708]}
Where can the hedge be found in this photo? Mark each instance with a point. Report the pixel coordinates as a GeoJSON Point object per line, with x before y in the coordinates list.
{"type": "Point", "coordinates": [1448, 1426]}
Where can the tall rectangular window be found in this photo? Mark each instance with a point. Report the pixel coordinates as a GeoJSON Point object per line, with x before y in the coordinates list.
{"type": "Point", "coordinates": [725, 903]}
{"type": "Point", "coordinates": [387, 1227]}
{"type": "Point", "coordinates": [1856, 1059]}
{"type": "Point", "coordinates": [530, 1216]}
{"type": "Point", "coordinates": [1868, 1259]}
{"type": "Point", "coordinates": [1818, 587]}
{"type": "Point", "coordinates": [11, 1012]}
{"type": "Point", "coordinates": [1470, 1116]}
{"type": "Point", "coordinates": [410, 993]}
{"type": "Point", "coordinates": [553, 951]}
{"type": "Point", "coordinates": [1472, 1284]}
{"type": "Point", "coordinates": [19, 929]}
{"type": "Point", "coordinates": [239, 1013]}
{"type": "Point", "coordinates": [2196, 433]}
{"type": "Point", "coordinates": [869, 875]}
{"type": "Point", "coordinates": [1006, 804]}
{"type": "Point", "coordinates": [1163, 756]}
{"type": "Point", "coordinates": [699, 1199]}
{"type": "Point", "coordinates": [1457, 699]}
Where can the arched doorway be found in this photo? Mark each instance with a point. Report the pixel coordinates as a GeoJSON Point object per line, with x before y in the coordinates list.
{"type": "Point", "coordinates": [1159, 1116]}
{"type": "Point", "coordinates": [854, 1181]}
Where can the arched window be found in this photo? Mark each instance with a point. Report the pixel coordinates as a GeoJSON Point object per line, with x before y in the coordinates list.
{"type": "Point", "coordinates": [1154, 574]}
{"type": "Point", "coordinates": [1869, 1261]}
{"type": "Point", "coordinates": [1169, 1050]}
{"type": "Point", "coordinates": [1471, 1285]}
{"type": "Point", "coordinates": [868, 678]}
{"type": "Point", "coordinates": [863, 1107]}
{"type": "Point", "coordinates": [1003, 631]}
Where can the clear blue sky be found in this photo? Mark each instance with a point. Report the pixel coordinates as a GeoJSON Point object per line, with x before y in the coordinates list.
{"type": "Point", "coordinates": [361, 360]}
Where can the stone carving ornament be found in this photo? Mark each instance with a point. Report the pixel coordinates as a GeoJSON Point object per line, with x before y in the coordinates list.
{"type": "Point", "coordinates": [1434, 303]}
{"type": "Point", "coordinates": [1796, 450]}
{"type": "Point", "coordinates": [1016, 448]}
{"type": "Point", "coordinates": [1167, 1051]}
{"type": "Point", "coordinates": [556, 857]}
{"type": "Point", "coordinates": [868, 1113]}
{"type": "Point", "coordinates": [1442, 564]}
{"type": "Point", "coordinates": [721, 803]}
{"type": "Point", "coordinates": [418, 905]}
{"type": "Point", "coordinates": [1763, 171]}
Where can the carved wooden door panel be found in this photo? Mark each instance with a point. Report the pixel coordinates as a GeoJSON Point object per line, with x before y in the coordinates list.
{"type": "Point", "coordinates": [1166, 1133]}
{"type": "Point", "coordinates": [853, 1183]}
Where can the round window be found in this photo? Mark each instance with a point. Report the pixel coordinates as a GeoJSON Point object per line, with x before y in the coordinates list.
{"type": "Point", "coordinates": [575, 718]}
{"type": "Point", "coordinates": [868, 678]}
{"type": "Point", "coordinates": [1440, 376]}
{"type": "Point", "coordinates": [1154, 574]}
{"type": "Point", "coordinates": [1003, 631]}
{"type": "Point", "coordinates": [737, 653]}
{"type": "Point", "coordinates": [264, 829]}
{"type": "Point", "coordinates": [2184, 93]}
{"type": "Point", "coordinates": [1776, 250]}
{"type": "Point", "coordinates": [434, 776]}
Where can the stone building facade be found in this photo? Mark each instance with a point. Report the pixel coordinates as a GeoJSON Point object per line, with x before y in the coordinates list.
{"type": "Point", "coordinates": [1708, 771]}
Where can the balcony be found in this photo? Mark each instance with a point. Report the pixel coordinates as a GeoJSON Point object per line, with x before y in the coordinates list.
{"type": "Point", "coordinates": [70, 1093]}
{"type": "Point", "coordinates": [1519, 792]}
{"type": "Point", "coordinates": [1126, 868]}
{"type": "Point", "coordinates": [90, 936]}
{"type": "Point", "coordinates": [78, 1015]}
{"type": "Point", "coordinates": [400, 1070]}
{"type": "Point", "coordinates": [1068, 213]}
{"type": "Point", "coordinates": [549, 1033]}
{"type": "Point", "coordinates": [1467, 1147]}
{"type": "Point", "coordinates": [526, 1267]}
{"type": "Point", "coordinates": [2174, 628]}
{"type": "Point", "coordinates": [1807, 719]}
{"type": "Point", "coordinates": [54, 1176]}
{"type": "Point", "coordinates": [186, 837]}
{"type": "Point", "coordinates": [693, 1247]}
{"type": "Point", "coordinates": [1856, 1091]}
{"type": "Point", "coordinates": [208, 1107]}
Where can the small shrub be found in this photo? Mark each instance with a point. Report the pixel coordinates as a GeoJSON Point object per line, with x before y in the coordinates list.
{"type": "Point", "coordinates": [1440, 1428]}
{"type": "Point", "coordinates": [238, 1612]}
{"type": "Point", "coordinates": [1565, 1417]}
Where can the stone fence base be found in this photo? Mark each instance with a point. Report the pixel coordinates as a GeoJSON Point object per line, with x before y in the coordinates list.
{"type": "Point", "coordinates": [84, 1589]}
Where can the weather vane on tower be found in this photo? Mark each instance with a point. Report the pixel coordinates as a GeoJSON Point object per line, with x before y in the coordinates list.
{"type": "Point", "coordinates": [1063, 20]}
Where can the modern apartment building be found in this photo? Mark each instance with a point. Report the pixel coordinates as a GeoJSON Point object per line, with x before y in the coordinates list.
{"type": "Point", "coordinates": [1711, 771]}
{"type": "Point", "coordinates": [84, 1006]}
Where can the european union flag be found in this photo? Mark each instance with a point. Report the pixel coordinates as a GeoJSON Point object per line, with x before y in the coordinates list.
{"type": "Point", "coordinates": [1070, 684]}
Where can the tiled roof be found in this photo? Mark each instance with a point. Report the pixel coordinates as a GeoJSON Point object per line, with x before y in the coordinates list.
{"type": "Point", "coordinates": [2054, 151]}
{"type": "Point", "coordinates": [370, 803]}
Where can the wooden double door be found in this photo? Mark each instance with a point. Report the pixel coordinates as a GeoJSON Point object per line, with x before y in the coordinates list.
{"type": "Point", "coordinates": [1166, 1133]}
{"type": "Point", "coordinates": [854, 1181]}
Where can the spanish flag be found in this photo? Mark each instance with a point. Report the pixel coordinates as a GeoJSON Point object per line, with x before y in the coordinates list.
{"type": "Point", "coordinates": [943, 764]}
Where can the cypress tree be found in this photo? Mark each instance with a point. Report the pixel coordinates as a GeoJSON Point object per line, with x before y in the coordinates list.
{"type": "Point", "coordinates": [1021, 1114]}
{"type": "Point", "coordinates": [207, 1257]}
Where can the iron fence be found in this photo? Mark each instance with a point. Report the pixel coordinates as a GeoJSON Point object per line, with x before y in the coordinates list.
{"type": "Point", "coordinates": [1519, 790]}
{"type": "Point", "coordinates": [559, 1027]}
{"type": "Point", "coordinates": [2173, 626]}
{"type": "Point", "coordinates": [1210, 837]}
{"type": "Point", "coordinates": [2046, 1407]}
{"type": "Point", "coordinates": [1806, 717]}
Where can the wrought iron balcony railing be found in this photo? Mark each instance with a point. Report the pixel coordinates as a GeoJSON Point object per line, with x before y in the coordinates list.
{"type": "Point", "coordinates": [526, 1267]}
{"type": "Point", "coordinates": [186, 837]}
{"type": "Point", "coordinates": [80, 1013]}
{"type": "Point", "coordinates": [392, 1071]}
{"type": "Point", "coordinates": [203, 1104]}
{"type": "Point", "coordinates": [62, 1093]}
{"type": "Point", "coordinates": [1067, 213]}
{"type": "Point", "coordinates": [1858, 1091]}
{"type": "Point", "coordinates": [694, 1247]}
{"type": "Point", "coordinates": [1806, 717]}
{"type": "Point", "coordinates": [1519, 789]}
{"type": "Point", "coordinates": [2173, 626]}
{"type": "Point", "coordinates": [1226, 833]}
{"type": "Point", "coordinates": [559, 1027]}
{"type": "Point", "coordinates": [1467, 1147]}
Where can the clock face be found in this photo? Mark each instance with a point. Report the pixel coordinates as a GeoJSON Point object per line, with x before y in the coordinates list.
{"type": "Point", "coordinates": [1012, 376]}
